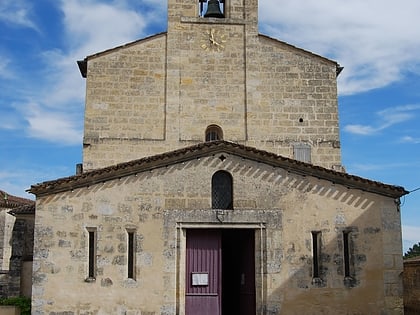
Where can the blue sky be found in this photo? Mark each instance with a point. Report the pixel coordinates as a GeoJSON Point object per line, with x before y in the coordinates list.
{"type": "Point", "coordinates": [377, 42]}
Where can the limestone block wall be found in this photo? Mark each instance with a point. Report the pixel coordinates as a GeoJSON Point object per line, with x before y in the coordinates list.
{"type": "Point", "coordinates": [162, 92]}
{"type": "Point", "coordinates": [412, 286]}
{"type": "Point", "coordinates": [125, 103]}
{"type": "Point", "coordinates": [151, 97]}
{"type": "Point", "coordinates": [283, 208]}
{"type": "Point", "coordinates": [292, 98]}
{"type": "Point", "coordinates": [6, 227]}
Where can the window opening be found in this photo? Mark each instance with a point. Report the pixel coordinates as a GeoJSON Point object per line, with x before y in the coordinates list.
{"type": "Point", "coordinates": [316, 251]}
{"type": "Point", "coordinates": [346, 249]}
{"type": "Point", "coordinates": [214, 133]}
{"type": "Point", "coordinates": [222, 191]}
{"type": "Point", "coordinates": [92, 253]}
{"type": "Point", "coordinates": [212, 8]}
{"type": "Point", "coordinates": [131, 249]}
{"type": "Point", "coordinates": [302, 152]}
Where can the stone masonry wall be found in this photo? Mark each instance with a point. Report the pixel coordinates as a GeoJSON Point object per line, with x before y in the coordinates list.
{"type": "Point", "coordinates": [283, 208]}
{"type": "Point", "coordinates": [161, 93]}
{"type": "Point", "coordinates": [412, 286]}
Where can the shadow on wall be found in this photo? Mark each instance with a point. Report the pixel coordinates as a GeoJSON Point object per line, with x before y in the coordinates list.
{"type": "Point", "coordinates": [346, 269]}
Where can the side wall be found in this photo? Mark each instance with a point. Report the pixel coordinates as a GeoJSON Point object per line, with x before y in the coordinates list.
{"type": "Point", "coordinates": [283, 208]}
{"type": "Point", "coordinates": [412, 287]}
{"type": "Point", "coordinates": [292, 99]}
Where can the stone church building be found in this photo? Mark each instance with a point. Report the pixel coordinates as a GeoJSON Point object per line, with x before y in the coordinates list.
{"type": "Point", "coordinates": [212, 184]}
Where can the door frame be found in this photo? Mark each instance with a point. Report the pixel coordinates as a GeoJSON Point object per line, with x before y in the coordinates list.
{"type": "Point", "coordinates": [259, 256]}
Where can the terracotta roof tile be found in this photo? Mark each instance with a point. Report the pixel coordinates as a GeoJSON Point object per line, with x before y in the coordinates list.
{"type": "Point", "coordinates": [195, 151]}
{"type": "Point", "coordinates": [22, 210]}
{"type": "Point", "coordinates": [9, 201]}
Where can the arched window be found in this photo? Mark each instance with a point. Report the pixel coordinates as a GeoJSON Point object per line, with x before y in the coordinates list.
{"type": "Point", "coordinates": [212, 8]}
{"type": "Point", "coordinates": [222, 190]}
{"type": "Point", "coordinates": [213, 133]}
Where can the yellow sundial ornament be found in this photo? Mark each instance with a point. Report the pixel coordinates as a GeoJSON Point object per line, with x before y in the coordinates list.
{"type": "Point", "coordinates": [213, 40]}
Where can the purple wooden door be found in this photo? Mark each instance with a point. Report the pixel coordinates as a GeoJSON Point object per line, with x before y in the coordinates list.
{"type": "Point", "coordinates": [203, 272]}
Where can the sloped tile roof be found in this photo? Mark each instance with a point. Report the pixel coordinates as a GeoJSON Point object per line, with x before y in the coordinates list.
{"type": "Point", "coordinates": [213, 147]}
{"type": "Point", "coordinates": [9, 201]}
{"type": "Point", "coordinates": [23, 210]}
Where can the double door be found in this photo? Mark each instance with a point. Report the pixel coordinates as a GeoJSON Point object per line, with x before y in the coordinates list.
{"type": "Point", "coordinates": [220, 272]}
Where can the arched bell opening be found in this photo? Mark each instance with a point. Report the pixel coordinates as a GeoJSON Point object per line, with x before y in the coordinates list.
{"type": "Point", "coordinates": [212, 8]}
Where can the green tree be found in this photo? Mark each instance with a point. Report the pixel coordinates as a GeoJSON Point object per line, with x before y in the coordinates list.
{"type": "Point", "coordinates": [413, 251]}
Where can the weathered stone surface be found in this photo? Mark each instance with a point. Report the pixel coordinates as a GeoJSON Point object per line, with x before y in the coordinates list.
{"type": "Point", "coordinates": [412, 286]}
{"type": "Point", "coordinates": [286, 210]}
{"type": "Point", "coordinates": [160, 94]}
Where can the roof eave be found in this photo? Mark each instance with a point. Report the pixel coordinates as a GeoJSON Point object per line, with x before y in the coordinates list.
{"type": "Point", "coordinates": [199, 150]}
{"type": "Point", "coordinates": [82, 67]}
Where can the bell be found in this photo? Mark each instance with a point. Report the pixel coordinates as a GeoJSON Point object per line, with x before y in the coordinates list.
{"type": "Point", "coordinates": [213, 9]}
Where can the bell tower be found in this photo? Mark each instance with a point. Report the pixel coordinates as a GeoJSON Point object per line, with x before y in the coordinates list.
{"type": "Point", "coordinates": [207, 48]}
{"type": "Point", "coordinates": [211, 76]}
{"type": "Point", "coordinates": [230, 11]}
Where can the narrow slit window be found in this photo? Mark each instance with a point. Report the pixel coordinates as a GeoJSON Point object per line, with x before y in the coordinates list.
{"type": "Point", "coordinates": [346, 253]}
{"type": "Point", "coordinates": [91, 253]}
{"type": "Point", "coordinates": [316, 251]}
{"type": "Point", "coordinates": [131, 249]}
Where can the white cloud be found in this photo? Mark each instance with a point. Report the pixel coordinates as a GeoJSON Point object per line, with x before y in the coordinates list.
{"type": "Point", "coordinates": [358, 34]}
{"type": "Point", "coordinates": [375, 40]}
{"type": "Point", "coordinates": [95, 26]}
{"type": "Point", "coordinates": [54, 126]}
{"type": "Point", "coordinates": [386, 118]}
{"type": "Point", "coordinates": [410, 139]}
{"type": "Point", "coordinates": [17, 12]}
{"type": "Point", "coordinates": [54, 111]}
{"type": "Point", "coordinates": [5, 71]}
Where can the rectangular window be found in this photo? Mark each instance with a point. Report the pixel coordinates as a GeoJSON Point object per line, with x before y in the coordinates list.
{"type": "Point", "coordinates": [346, 252]}
{"type": "Point", "coordinates": [316, 251]}
{"type": "Point", "coordinates": [131, 250]}
{"type": "Point", "coordinates": [302, 152]}
{"type": "Point", "coordinates": [91, 253]}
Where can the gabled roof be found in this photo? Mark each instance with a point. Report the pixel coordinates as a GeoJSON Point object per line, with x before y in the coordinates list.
{"type": "Point", "coordinates": [83, 63]}
{"type": "Point", "coordinates": [209, 148]}
{"type": "Point", "coordinates": [9, 201]}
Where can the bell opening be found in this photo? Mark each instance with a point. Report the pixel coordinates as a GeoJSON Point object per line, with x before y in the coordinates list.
{"type": "Point", "coordinates": [212, 9]}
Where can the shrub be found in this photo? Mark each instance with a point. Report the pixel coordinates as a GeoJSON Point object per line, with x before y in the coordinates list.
{"type": "Point", "coordinates": [23, 303]}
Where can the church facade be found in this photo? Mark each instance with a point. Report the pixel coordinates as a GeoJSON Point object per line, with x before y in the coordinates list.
{"type": "Point", "coordinates": [212, 184]}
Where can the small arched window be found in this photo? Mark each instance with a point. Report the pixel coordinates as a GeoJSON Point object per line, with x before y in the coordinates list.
{"type": "Point", "coordinates": [213, 133]}
{"type": "Point", "coordinates": [222, 190]}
